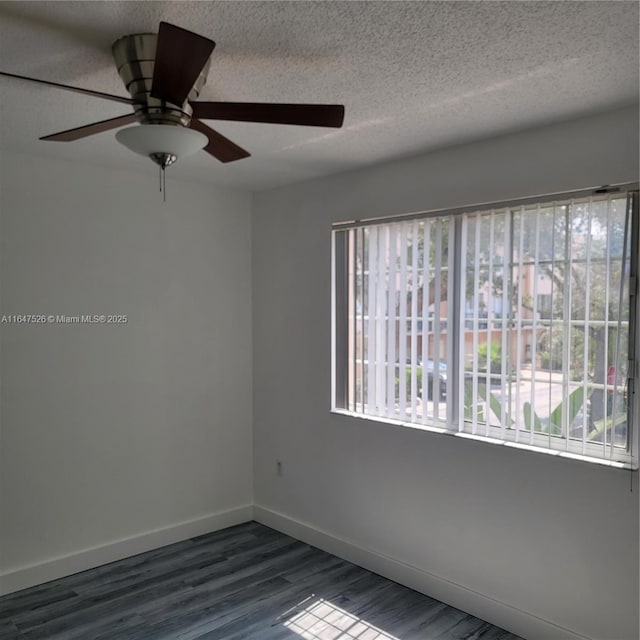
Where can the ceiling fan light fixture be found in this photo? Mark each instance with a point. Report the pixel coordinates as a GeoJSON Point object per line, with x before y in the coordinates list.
{"type": "Point", "coordinates": [163, 143]}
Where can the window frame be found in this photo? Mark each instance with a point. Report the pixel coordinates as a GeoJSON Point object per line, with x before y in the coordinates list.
{"type": "Point", "coordinates": [593, 452]}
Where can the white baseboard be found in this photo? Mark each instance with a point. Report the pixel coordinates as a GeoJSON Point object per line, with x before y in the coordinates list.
{"type": "Point", "coordinates": [494, 611]}
{"type": "Point", "coordinates": [55, 568]}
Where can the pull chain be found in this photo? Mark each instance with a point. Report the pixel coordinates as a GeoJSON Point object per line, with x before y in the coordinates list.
{"type": "Point", "coordinates": [163, 183]}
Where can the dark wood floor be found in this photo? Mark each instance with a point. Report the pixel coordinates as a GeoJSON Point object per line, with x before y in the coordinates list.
{"type": "Point", "coordinates": [247, 582]}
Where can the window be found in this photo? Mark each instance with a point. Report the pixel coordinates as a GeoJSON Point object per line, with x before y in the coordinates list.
{"type": "Point", "coordinates": [514, 323]}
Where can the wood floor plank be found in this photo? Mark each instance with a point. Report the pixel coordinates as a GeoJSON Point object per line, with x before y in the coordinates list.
{"type": "Point", "coordinates": [247, 582]}
{"type": "Point", "coordinates": [269, 612]}
{"type": "Point", "coordinates": [9, 631]}
{"type": "Point", "coordinates": [32, 602]}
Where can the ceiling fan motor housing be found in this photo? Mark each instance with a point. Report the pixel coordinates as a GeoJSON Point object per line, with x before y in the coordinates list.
{"type": "Point", "coordinates": [135, 57]}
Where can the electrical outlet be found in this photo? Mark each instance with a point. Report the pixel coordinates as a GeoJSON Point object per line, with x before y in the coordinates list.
{"type": "Point", "coordinates": [279, 467]}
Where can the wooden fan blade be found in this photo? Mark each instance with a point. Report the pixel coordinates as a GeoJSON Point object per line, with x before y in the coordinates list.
{"type": "Point", "coordinates": [219, 147]}
{"type": "Point", "coordinates": [90, 129]}
{"type": "Point", "coordinates": [180, 57]}
{"type": "Point", "coordinates": [318, 115]}
{"type": "Point", "coordinates": [57, 85]}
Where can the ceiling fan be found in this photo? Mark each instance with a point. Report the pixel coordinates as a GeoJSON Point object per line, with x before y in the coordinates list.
{"type": "Point", "coordinates": [164, 73]}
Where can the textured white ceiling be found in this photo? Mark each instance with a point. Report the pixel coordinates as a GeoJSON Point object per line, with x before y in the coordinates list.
{"type": "Point", "coordinates": [413, 76]}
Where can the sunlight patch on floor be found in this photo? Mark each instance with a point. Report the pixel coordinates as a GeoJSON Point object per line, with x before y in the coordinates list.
{"type": "Point", "coordinates": [322, 620]}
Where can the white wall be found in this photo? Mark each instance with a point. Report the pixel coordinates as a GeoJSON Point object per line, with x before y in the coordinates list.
{"type": "Point", "coordinates": [120, 438]}
{"type": "Point", "coordinates": [552, 544]}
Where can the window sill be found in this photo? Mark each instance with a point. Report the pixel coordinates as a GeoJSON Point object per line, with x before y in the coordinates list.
{"type": "Point", "coordinates": [493, 441]}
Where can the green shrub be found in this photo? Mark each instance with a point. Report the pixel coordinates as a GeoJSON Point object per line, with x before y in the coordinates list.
{"type": "Point", "coordinates": [495, 357]}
